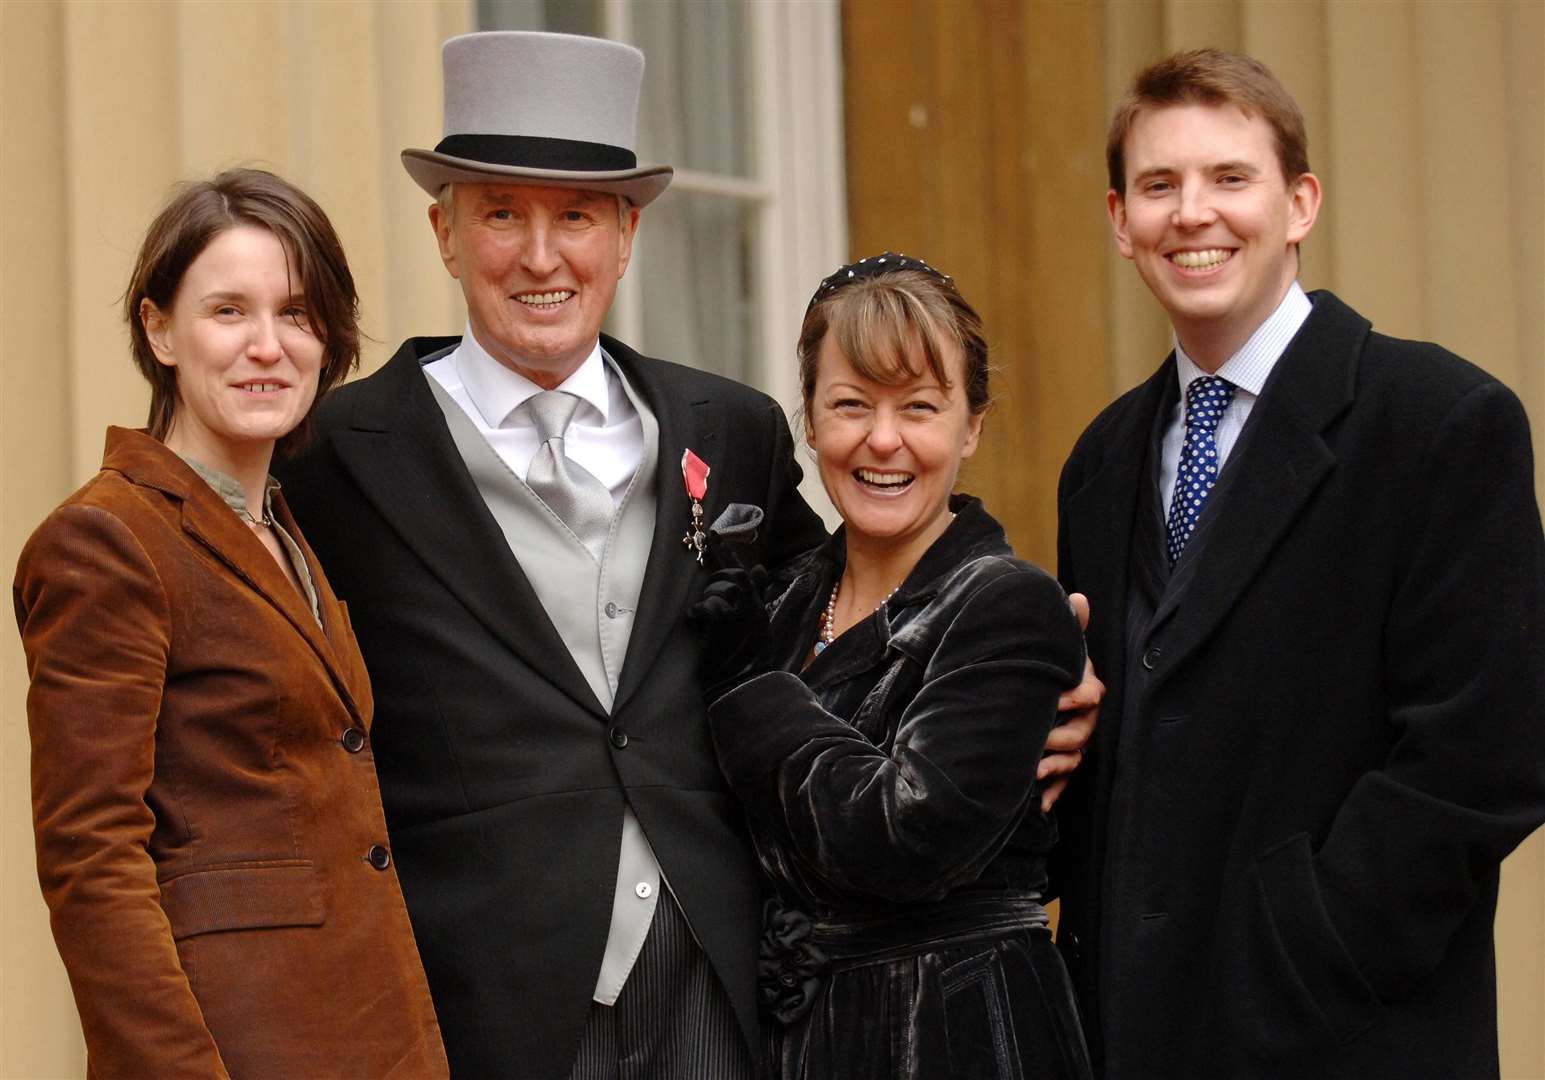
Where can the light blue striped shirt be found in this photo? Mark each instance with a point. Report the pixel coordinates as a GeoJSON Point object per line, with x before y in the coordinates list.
{"type": "Point", "coordinates": [1247, 369]}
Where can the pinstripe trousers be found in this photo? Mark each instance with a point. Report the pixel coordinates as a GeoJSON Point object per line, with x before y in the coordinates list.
{"type": "Point", "coordinates": [673, 1019]}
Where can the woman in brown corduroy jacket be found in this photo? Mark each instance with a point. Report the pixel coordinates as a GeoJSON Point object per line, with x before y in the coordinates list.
{"type": "Point", "coordinates": [210, 836]}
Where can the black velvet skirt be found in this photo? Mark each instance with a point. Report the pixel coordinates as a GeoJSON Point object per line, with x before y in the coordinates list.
{"type": "Point", "coordinates": [970, 988]}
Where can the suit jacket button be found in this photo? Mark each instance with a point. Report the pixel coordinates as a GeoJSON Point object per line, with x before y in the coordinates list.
{"type": "Point", "coordinates": [378, 857]}
{"type": "Point", "coordinates": [618, 737]}
{"type": "Point", "coordinates": [611, 609]}
{"type": "Point", "coordinates": [1151, 657]}
{"type": "Point", "coordinates": [353, 740]}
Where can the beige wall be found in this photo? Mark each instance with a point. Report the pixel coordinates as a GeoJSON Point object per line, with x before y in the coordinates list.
{"type": "Point", "coordinates": [103, 105]}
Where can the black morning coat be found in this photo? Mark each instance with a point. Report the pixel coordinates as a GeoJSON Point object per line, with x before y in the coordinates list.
{"type": "Point", "coordinates": [1280, 858]}
{"type": "Point", "coordinates": [502, 778]}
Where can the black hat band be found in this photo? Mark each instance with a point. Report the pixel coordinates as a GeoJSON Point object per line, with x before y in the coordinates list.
{"type": "Point", "coordinates": [538, 152]}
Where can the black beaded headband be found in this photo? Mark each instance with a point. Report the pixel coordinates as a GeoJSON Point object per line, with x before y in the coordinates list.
{"type": "Point", "coordinates": [872, 267]}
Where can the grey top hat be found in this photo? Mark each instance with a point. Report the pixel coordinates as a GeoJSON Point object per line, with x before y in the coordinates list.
{"type": "Point", "coordinates": [558, 110]}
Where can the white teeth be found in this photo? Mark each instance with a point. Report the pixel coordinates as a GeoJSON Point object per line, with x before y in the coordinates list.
{"type": "Point", "coordinates": [1201, 260]}
{"type": "Point", "coordinates": [262, 387]}
{"type": "Point", "coordinates": [545, 299]}
{"type": "Point", "coordinates": [884, 479]}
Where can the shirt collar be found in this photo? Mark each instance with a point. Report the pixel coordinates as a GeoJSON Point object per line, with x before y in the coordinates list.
{"type": "Point", "coordinates": [1248, 368]}
{"type": "Point", "coordinates": [497, 391]}
{"type": "Point", "coordinates": [229, 488]}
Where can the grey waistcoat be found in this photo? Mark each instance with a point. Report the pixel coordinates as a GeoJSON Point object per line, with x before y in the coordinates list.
{"type": "Point", "coordinates": [563, 574]}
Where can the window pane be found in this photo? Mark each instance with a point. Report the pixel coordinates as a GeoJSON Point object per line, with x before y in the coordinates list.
{"type": "Point", "coordinates": [696, 85]}
{"type": "Point", "coordinates": [695, 279]}
{"type": "Point", "coordinates": [696, 255]}
{"type": "Point", "coordinates": [557, 16]}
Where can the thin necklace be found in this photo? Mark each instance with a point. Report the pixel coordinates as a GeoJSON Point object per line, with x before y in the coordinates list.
{"type": "Point", "coordinates": [828, 629]}
{"type": "Point", "coordinates": [267, 520]}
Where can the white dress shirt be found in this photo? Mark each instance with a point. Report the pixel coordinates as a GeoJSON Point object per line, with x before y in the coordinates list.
{"type": "Point", "coordinates": [606, 437]}
{"type": "Point", "coordinates": [1247, 369]}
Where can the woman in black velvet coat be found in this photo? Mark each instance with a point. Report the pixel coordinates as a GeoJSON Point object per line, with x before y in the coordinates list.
{"type": "Point", "coordinates": [882, 713]}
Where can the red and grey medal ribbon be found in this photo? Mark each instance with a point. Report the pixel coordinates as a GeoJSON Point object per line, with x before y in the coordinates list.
{"type": "Point", "coordinates": [694, 470]}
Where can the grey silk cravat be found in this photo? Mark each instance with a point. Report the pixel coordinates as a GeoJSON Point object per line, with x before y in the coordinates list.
{"type": "Point", "coordinates": [578, 498]}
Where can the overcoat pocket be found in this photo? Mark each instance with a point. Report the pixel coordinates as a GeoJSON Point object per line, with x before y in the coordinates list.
{"type": "Point", "coordinates": [1289, 986]}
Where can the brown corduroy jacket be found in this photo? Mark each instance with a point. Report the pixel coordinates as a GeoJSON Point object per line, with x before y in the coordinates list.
{"type": "Point", "coordinates": [209, 829]}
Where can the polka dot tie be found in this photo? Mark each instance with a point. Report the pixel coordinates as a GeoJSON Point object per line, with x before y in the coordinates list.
{"type": "Point", "coordinates": [1206, 400]}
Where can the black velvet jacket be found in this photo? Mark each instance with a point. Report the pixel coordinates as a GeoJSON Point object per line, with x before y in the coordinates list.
{"type": "Point", "coordinates": [890, 785]}
{"type": "Point", "coordinates": [899, 765]}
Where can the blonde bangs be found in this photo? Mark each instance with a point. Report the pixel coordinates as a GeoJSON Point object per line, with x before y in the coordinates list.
{"type": "Point", "coordinates": [881, 329]}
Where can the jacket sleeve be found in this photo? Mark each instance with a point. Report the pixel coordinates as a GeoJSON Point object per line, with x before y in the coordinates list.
{"type": "Point", "coordinates": [1418, 841]}
{"type": "Point", "coordinates": [94, 623]}
{"type": "Point", "coordinates": [933, 811]}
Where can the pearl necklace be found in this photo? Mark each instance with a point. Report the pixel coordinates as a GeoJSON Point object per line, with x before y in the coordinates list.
{"type": "Point", "coordinates": [828, 629]}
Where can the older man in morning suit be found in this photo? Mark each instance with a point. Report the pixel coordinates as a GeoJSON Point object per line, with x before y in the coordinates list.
{"type": "Point", "coordinates": [504, 513]}
{"type": "Point", "coordinates": [1315, 564]}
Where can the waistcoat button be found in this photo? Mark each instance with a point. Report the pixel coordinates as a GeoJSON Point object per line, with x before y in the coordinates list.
{"type": "Point", "coordinates": [378, 857]}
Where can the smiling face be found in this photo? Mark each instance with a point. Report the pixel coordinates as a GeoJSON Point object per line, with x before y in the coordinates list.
{"type": "Point", "coordinates": [888, 454]}
{"type": "Point", "coordinates": [245, 355]}
{"type": "Point", "coordinates": [1210, 222]}
{"type": "Point", "coordinates": [539, 267]}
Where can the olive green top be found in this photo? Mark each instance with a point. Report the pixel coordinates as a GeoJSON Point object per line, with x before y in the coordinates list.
{"type": "Point", "coordinates": [235, 496]}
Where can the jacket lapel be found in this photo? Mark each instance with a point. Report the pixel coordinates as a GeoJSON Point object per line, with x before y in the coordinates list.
{"type": "Point", "coordinates": [1283, 458]}
{"type": "Point", "coordinates": [211, 524]}
{"type": "Point", "coordinates": [691, 423]}
{"type": "Point", "coordinates": [350, 674]}
{"type": "Point", "coordinates": [1100, 519]}
{"type": "Point", "coordinates": [400, 453]}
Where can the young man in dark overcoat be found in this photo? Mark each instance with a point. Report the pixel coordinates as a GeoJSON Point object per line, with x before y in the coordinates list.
{"type": "Point", "coordinates": [1314, 560]}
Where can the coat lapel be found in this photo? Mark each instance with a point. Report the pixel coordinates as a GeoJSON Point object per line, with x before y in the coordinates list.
{"type": "Point", "coordinates": [691, 423]}
{"type": "Point", "coordinates": [211, 524]}
{"type": "Point", "coordinates": [335, 624]}
{"type": "Point", "coordinates": [400, 453]}
{"type": "Point", "coordinates": [1283, 459]}
{"type": "Point", "coordinates": [1100, 521]}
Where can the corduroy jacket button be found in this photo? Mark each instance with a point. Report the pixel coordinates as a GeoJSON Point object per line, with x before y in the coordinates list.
{"type": "Point", "coordinates": [353, 740]}
{"type": "Point", "coordinates": [378, 857]}
{"type": "Point", "coordinates": [618, 737]}
{"type": "Point", "coordinates": [1151, 657]}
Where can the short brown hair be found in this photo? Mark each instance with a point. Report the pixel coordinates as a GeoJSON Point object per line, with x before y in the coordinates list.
{"type": "Point", "coordinates": [1211, 77]}
{"type": "Point", "coordinates": [876, 320]}
{"type": "Point", "coordinates": [201, 210]}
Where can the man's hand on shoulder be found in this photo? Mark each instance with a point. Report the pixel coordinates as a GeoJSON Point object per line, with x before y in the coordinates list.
{"type": "Point", "coordinates": [1078, 710]}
